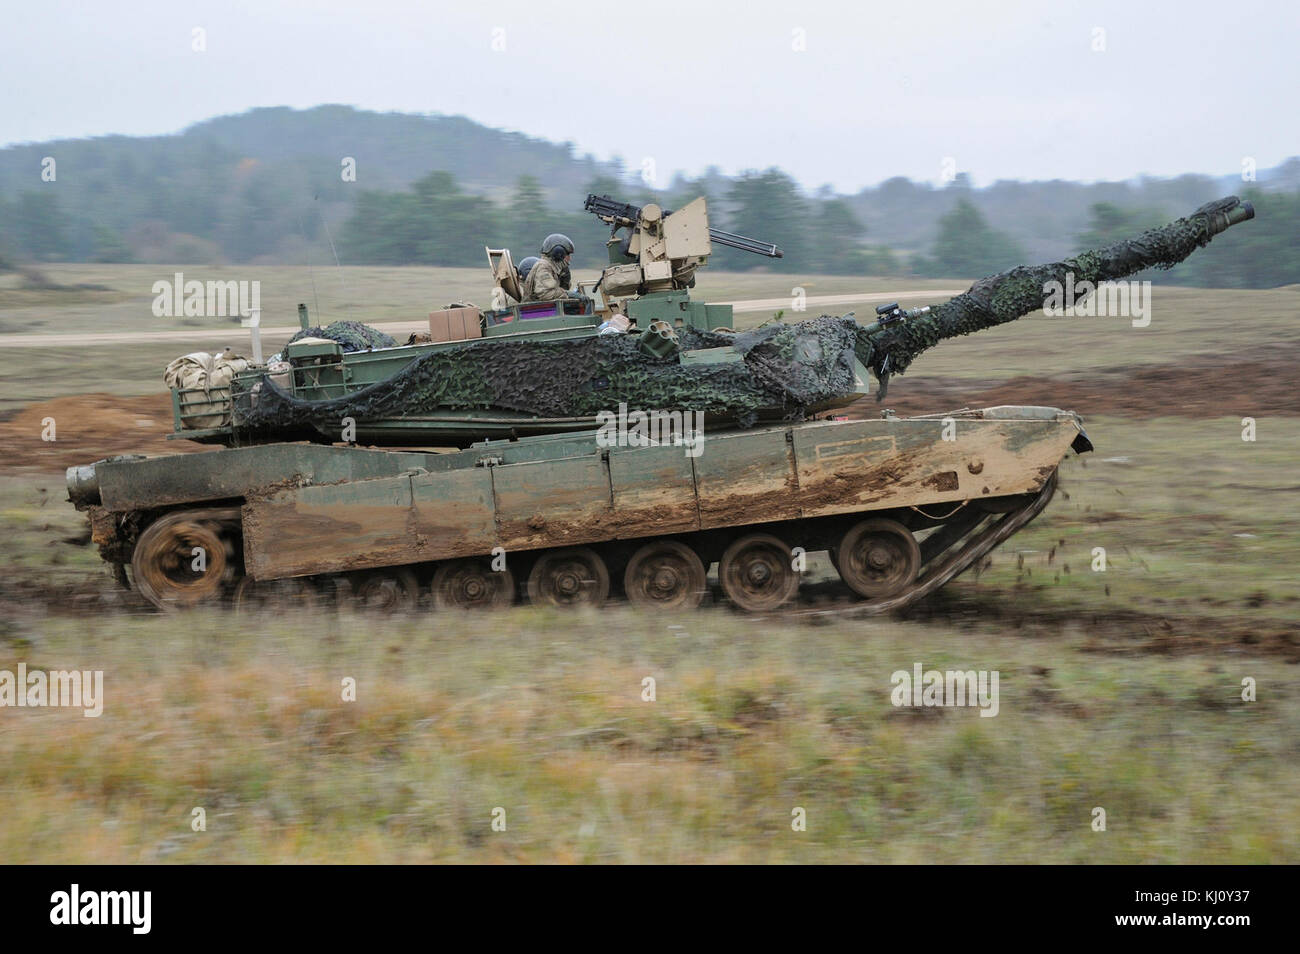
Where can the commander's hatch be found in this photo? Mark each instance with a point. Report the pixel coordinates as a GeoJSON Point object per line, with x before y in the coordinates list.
{"type": "Point", "coordinates": [504, 275]}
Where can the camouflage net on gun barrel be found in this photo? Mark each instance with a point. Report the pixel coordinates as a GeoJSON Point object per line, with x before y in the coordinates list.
{"type": "Point", "coordinates": [1015, 293]}
{"type": "Point", "coordinates": [784, 368]}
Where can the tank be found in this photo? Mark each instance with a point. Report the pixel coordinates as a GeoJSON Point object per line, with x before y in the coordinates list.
{"type": "Point", "coordinates": [733, 466]}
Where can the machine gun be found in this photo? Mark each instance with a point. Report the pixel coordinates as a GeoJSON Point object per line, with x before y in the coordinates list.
{"type": "Point", "coordinates": [621, 214]}
{"type": "Point", "coordinates": [662, 248]}
{"type": "Point", "coordinates": [889, 315]}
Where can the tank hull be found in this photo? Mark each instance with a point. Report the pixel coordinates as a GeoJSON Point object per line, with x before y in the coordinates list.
{"type": "Point", "coordinates": [307, 510]}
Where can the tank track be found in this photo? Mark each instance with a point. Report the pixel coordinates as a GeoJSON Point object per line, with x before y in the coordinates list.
{"type": "Point", "coordinates": [951, 560]}
{"type": "Point", "coordinates": [955, 545]}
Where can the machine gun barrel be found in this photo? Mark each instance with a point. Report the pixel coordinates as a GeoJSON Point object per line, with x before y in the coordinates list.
{"type": "Point", "coordinates": [745, 244]}
{"type": "Point", "coordinates": [624, 213]}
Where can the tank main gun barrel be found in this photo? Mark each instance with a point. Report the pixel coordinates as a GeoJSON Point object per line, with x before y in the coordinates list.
{"type": "Point", "coordinates": [623, 213]}
{"type": "Point", "coordinates": [889, 346]}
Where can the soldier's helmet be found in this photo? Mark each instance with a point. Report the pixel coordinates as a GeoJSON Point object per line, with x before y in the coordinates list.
{"type": "Point", "coordinates": [526, 266]}
{"type": "Point", "coordinates": [556, 246]}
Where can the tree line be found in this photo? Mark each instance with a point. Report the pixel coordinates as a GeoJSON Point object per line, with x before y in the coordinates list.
{"type": "Point", "coordinates": [203, 206]}
{"type": "Point", "coordinates": [435, 222]}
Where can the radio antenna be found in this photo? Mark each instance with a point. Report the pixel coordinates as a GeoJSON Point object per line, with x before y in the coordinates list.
{"type": "Point", "coordinates": [326, 227]}
{"type": "Point", "coordinates": [306, 257]}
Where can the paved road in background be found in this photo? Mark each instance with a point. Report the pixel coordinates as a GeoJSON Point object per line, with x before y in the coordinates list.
{"type": "Point", "coordinates": [237, 338]}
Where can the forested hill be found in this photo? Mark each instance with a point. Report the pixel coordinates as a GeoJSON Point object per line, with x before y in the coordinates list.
{"type": "Point", "coordinates": [394, 149]}
{"type": "Point", "coordinates": [276, 185]}
{"type": "Point", "coordinates": [251, 186]}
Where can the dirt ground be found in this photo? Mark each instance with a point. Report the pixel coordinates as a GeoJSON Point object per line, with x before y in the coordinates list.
{"type": "Point", "coordinates": [1253, 384]}
{"type": "Point", "coordinates": [88, 427]}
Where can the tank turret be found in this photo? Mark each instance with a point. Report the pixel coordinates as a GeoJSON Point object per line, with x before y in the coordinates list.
{"type": "Point", "coordinates": [634, 338]}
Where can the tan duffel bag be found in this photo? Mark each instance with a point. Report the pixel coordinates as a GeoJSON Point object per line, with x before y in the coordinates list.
{"type": "Point", "coordinates": [209, 374]}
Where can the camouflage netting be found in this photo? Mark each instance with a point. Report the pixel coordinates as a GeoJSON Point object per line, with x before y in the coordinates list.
{"type": "Point", "coordinates": [1020, 291]}
{"type": "Point", "coordinates": [352, 335]}
{"type": "Point", "coordinates": [786, 368]}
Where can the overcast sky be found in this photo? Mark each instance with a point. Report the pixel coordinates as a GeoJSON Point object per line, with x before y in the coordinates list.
{"type": "Point", "coordinates": [845, 93]}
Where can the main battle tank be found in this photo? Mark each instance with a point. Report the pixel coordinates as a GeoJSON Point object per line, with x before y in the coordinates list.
{"type": "Point", "coordinates": [559, 489]}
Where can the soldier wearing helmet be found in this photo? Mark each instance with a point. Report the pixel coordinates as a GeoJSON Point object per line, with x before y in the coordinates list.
{"type": "Point", "coordinates": [524, 267]}
{"type": "Point", "coordinates": [549, 277]}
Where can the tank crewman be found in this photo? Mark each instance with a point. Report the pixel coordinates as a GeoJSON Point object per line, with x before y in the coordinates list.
{"type": "Point", "coordinates": [521, 275]}
{"type": "Point", "coordinates": [549, 278]}
{"type": "Point", "coordinates": [524, 267]}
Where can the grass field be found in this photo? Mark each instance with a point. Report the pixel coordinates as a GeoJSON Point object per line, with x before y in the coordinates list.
{"type": "Point", "coordinates": [372, 294]}
{"type": "Point", "coordinates": [1119, 689]}
{"type": "Point", "coordinates": [542, 715]}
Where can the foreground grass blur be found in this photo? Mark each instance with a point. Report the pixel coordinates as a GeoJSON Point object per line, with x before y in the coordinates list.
{"type": "Point", "coordinates": [542, 715]}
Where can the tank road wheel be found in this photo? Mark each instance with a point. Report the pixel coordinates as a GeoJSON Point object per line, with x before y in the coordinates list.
{"type": "Point", "coordinates": [387, 591]}
{"type": "Point", "coordinates": [275, 596]}
{"type": "Point", "coordinates": [181, 560]}
{"type": "Point", "coordinates": [573, 577]}
{"type": "Point", "coordinates": [665, 574]}
{"type": "Point", "coordinates": [878, 558]}
{"type": "Point", "coordinates": [756, 573]}
{"type": "Point", "coordinates": [472, 584]}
